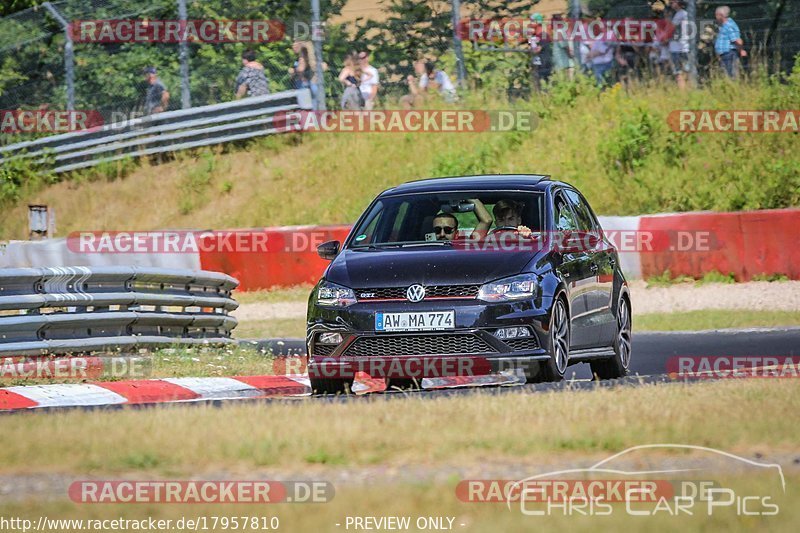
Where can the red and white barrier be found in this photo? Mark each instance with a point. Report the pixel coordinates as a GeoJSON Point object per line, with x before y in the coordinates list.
{"type": "Point", "coordinates": [744, 243]}
{"type": "Point", "coordinates": [150, 391]}
{"type": "Point", "coordinates": [174, 390]}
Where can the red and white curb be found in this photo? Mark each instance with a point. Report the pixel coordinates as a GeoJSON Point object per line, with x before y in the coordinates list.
{"type": "Point", "coordinates": [174, 390]}
{"type": "Point", "coordinates": [148, 391]}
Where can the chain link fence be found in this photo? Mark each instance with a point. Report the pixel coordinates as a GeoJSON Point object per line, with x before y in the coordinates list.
{"type": "Point", "coordinates": [108, 77]}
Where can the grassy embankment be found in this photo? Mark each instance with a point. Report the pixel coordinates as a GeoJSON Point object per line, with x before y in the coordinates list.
{"type": "Point", "coordinates": [615, 146]}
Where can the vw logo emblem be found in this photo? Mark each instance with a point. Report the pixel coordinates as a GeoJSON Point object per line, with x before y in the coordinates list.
{"type": "Point", "coordinates": [415, 293]}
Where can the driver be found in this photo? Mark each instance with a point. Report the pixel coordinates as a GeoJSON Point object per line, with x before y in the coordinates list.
{"type": "Point", "coordinates": [508, 214]}
{"type": "Point", "coordinates": [445, 225]}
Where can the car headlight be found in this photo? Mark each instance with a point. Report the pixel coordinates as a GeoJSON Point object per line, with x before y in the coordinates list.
{"type": "Point", "coordinates": [333, 295]}
{"type": "Point", "coordinates": [509, 289]}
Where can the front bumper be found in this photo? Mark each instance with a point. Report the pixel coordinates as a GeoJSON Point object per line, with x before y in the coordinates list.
{"type": "Point", "coordinates": [471, 348]}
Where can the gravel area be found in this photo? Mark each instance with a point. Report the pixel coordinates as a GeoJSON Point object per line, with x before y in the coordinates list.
{"type": "Point", "coordinates": [22, 486]}
{"type": "Point", "coordinates": [755, 295]}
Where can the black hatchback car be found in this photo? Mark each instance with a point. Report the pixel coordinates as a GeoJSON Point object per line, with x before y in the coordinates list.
{"type": "Point", "coordinates": [505, 271]}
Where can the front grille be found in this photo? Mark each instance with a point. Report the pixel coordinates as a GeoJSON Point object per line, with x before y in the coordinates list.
{"type": "Point", "coordinates": [400, 345]}
{"type": "Point", "coordinates": [324, 349]}
{"type": "Point", "coordinates": [433, 291]}
{"type": "Point", "coordinates": [525, 343]}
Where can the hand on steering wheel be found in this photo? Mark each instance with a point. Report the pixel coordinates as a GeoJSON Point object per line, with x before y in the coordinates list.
{"type": "Point", "coordinates": [524, 231]}
{"type": "Point", "coordinates": [502, 228]}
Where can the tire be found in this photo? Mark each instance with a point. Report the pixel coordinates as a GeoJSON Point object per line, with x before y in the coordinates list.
{"type": "Point", "coordinates": [402, 384]}
{"type": "Point", "coordinates": [557, 345]}
{"type": "Point", "coordinates": [321, 386]}
{"type": "Point", "coordinates": [617, 365]}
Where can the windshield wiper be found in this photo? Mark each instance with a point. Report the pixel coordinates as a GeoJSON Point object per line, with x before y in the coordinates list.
{"type": "Point", "coordinates": [380, 246]}
{"type": "Point", "coordinates": [427, 243]}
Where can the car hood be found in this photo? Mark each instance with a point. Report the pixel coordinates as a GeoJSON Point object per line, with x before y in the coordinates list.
{"type": "Point", "coordinates": [428, 266]}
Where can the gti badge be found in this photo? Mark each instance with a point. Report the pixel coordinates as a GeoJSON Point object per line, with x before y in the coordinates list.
{"type": "Point", "coordinates": [415, 293]}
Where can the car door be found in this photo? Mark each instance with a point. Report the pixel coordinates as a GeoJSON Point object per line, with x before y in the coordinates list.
{"type": "Point", "coordinates": [575, 270]}
{"type": "Point", "coordinates": [599, 309]}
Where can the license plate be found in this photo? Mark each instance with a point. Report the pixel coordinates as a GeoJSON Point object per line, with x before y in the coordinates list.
{"type": "Point", "coordinates": [416, 321]}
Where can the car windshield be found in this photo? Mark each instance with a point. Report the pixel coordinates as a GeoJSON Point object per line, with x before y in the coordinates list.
{"type": "Point", "coordinates": [438, 218]}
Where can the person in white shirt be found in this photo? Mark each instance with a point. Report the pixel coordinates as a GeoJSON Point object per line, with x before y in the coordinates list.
{"type": "Point", "coordinates": [679, 42]}
{"type": "Point", "coordinates": [370, 81]}
{"type": "Point", "coordinates": [601, 57]}
{"type": "Point", "coordinates": [438, 79]}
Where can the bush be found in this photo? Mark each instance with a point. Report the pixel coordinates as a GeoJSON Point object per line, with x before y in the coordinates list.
{"type": "Point", "coordinates": [22, 176]}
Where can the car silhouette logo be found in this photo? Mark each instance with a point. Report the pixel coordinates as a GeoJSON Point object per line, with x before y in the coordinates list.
{"type": "Point", "coordinates": [415, 293]}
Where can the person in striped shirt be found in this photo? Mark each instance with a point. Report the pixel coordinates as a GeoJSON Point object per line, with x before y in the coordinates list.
{"type": "Point", "coordinates": [729, 44]}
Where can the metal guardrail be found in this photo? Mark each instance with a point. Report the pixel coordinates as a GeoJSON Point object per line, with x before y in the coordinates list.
{"type": "Point", "coordinates": [83, 309]}
{"type": "Point", "coordinates": [164, 132]}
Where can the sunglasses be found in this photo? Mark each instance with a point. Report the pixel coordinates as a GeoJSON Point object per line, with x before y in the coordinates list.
{"type": "Point", "coordinates": [447, 230]}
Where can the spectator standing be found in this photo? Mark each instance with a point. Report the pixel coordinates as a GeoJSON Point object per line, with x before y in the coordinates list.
{"type": "Point", "coordinates": [251, 80]}
{"type": "Point", "coordinates": [370, 81]}
{"type": "Point", "coordinates": [679, 42]}
{"type": "Point", "coordinates": [350, 76]}
{"type": "Point", "coordinates": [659, 55]}
{"type": "Point", "coordinates": [563, 55]}
{"type": "Point", "coordinates": [156, 98]}
{"type": "Point", "coordinates": [627, 59]}
{"type": "Point", "coordinates": [541, 53]}
{"type": "Point", "coordinates": [601, 56]}
{"type": "Point", "coordinates": [301, 73]}
{"type": "Point", "coordinates": [729, 41]}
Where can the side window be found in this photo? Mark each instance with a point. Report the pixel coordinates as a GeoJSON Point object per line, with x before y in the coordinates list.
{"type": "Point", "coordinates": [586, 222]}
{"type": "Point", "coordinates": [367, 230]}
{"type": "Point", "coordinates": [563, 214]}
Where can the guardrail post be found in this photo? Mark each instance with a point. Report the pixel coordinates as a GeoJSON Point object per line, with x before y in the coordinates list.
{"type": "Point", "coordinates": [461, 71]}
{"type": "Point", "coordinates": [69, 67]}
{"type": "Point", "coordinates": [317, 38]}
{"type": "Point", "coordinates": [183, 56]}
{"type": "Point", "coordinates": [691, 12]}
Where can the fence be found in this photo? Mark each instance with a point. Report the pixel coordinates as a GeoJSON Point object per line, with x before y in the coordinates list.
{"type": "Point", "coordinates": [80, 309]}
{"type": "Point", "coordinates": [108, 76]}
{"type": "Point", "coordinates": [163, 132]}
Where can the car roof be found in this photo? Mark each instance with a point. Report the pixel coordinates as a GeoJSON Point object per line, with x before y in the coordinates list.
{"type": "Point", "coordinates": [487, 182]}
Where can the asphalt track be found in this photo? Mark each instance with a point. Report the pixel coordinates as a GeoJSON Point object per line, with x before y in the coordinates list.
{"type": "Point", "coordinates": [651, 353]}
{"type": "Point", "coordinates": [652, 350]}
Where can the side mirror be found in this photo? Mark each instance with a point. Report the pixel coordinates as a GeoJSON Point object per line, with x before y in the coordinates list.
{"type": "Point", "coordinates": [328, 250]}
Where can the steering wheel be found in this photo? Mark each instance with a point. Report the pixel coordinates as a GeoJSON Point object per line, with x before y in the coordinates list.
{"type": "Point", "coordinates": [502, 228]}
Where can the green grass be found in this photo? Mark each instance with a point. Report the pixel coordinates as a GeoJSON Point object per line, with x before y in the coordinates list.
{"type": "Point", "coordinates": [200, 361]}
{"type": "Point", "coordinates": [264, 329]}
{"type": "Point", "coordinates": [714, 319]}
{"type": "Point", "coordinates": [665, 279]}
{"type": "Point", "coordinates": [298, 293]}
{"type": "Point", "coordinates": [209, 361]}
